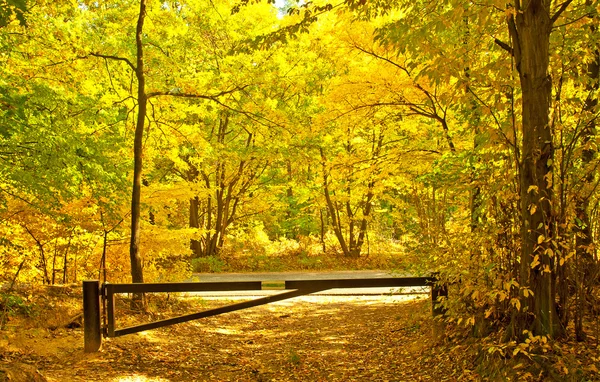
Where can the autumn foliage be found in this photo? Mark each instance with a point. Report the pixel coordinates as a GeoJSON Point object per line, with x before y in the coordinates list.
{"type": "Point", "coordinates": [451, 137]}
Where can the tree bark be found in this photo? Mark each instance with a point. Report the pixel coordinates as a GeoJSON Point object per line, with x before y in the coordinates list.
{"type": "Point", "coordinates": [137, 275]}
{"type": "Point", "coordinates": [530, 29]}
{"type": "Point", "coordinates": [583, 234]}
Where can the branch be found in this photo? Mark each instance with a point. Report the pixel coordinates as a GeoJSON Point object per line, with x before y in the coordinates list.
{"type": "Point", "coordinates": [213, 97]}
{"type": "Point", "coordinates": [372, 53]}
{"type": "Point", "coordinates": [560, 11]}
{"type": "Point", "coordinates": [116, 58]}
{"type": "Point", "coordinates": [504, 46]}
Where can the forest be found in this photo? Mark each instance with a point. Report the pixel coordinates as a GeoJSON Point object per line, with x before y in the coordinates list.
{"type": "Point", "coordinates": [142, 141]}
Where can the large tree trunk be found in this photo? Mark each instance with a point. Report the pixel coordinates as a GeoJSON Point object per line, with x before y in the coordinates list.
{"type": "Point", "coordinates": [585, 267]}
{"type": "Point", "coordinates": [530, 29]}
{"type": "Point", "coordinates": [137, 275]}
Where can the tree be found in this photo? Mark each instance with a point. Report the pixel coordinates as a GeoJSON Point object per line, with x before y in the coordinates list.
{"type": "Point", "coordinates": [187, 88]}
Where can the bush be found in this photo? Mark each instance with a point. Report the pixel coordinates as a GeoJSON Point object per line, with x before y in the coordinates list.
{"type": "Point", "coordinates": [13, 304]}
{"type": "Point", "coordinates": [210, 264]}
{"type": "Point", "coordinates": [265, 263]}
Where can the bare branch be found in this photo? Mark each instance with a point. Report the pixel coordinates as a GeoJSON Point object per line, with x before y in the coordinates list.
{"type": "Point", "coordinates": [116, 58]}
{"type": "Point", "coordinates": [212, 97]}
{"type": "Point", "coordinates": [562, 8]}
{"type": "Point", "coordinates": [372, 53]}
{"type": "Point", "coordinates": [504, 46]}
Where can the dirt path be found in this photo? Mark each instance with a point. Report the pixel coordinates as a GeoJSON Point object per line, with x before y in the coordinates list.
{"type": "Point", "coordinates": [303, 339]}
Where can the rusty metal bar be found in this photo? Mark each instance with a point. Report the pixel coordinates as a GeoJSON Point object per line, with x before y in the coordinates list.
{"type": "Point", "coordinates": [92, 336]}
{"type": "Point", "coordinates": [360, 283]}
{"type": "Point", "coordinates": [211, 312]}
{"type": "Point", "coordinates": [184, 287]}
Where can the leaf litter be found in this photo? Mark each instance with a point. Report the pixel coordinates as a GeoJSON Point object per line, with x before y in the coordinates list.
{"type": "Point", "coordinates": [310, 338]}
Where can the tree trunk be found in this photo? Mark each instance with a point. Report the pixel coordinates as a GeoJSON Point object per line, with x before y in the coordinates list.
{"type": "Point", "coordinates": [137, 275]}
{"type": "Point", "coordinates": [65, 259]}
{"type": "Point", "coordinates": [335, 219]}
{"type": "Point", "coordinates": [530, 29]}
{"type": "Point", "coordinates": [583, 233]}
{"type": "Point", "coordinates": [322, 234]}
{"type": "Point", "coordinates": [54, 261]}
{"type": "Point", "coordinates": [194, 221]}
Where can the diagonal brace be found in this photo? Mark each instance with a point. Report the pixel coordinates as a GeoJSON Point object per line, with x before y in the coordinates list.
{"type": "Point", "coordinates": [211, 312]}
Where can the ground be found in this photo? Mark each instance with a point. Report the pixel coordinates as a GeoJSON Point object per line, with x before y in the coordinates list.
{"type": "Point", "coordinates": [303, 339]}
{"type": "Point", "coordinates": [310, 338]}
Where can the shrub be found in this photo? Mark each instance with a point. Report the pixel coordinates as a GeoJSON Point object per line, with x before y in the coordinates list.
{"type": "Point", "coordinates": [211, 264]}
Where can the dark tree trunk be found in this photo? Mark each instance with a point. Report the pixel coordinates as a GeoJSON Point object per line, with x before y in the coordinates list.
{"type": "Point", "coordinates": [137, 275]}
{"type": "Point", "coordinates": [194, 216]}
{"type": "Point", "coordinates": [335, 219]}
{"type": "Point", "coordinates": [586, 266]}
{"type": "Point", "coordinates": [530, 29]}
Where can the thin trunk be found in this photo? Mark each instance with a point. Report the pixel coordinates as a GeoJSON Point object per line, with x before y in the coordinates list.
{"type": "Point", "coordinates": [364, 222]}
{"type": "Point", "coordinates": [322, 238]}
{"type": "Point", "coordinates": [194, 221]}
{"type": "Point", "coordinates": [137, 275]}
{"type": "Point", "coordinates": [208, 224]}
{"type": "Point", "coordinates": [54, 261]}
{"type": "Point", "coordinates": [290, 213]}
{"type": "Point", "coordinates": [43, 264]}
{"type": "Point", "coordinates": [65, 258]}
{"type": "Point", "coordinates": [335, 219]}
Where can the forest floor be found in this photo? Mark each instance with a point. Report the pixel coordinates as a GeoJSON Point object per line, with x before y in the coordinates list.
{"type": "Point", "coordinates": [329, 338]}
{"type": "Point", "coordinates": [310, 338]}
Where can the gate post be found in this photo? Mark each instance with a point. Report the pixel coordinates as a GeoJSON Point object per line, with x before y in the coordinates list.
{"type": "Point", "coordinates": [92, 335]}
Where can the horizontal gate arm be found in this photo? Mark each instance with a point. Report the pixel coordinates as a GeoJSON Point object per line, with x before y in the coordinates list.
{"type": "Point", "coordinates": [184, 287]}
{"type": "Point", "coordinates": [361, 283]}
{"type": "Point", "coordinates": [216, 311]}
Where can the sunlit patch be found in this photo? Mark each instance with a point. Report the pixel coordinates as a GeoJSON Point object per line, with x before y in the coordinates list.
{"type": "Point", "coordinates": [138, 378]}
{"type": "Point", "coordinates": [225, 331]}
{"type": "Point", "coordinates": [150, 336]}
{"type": "Point", "coordinates": [335, 340]}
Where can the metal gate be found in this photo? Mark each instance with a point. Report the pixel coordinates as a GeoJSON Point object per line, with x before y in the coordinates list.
{"type": "Point", "coordinates": [97, 297]}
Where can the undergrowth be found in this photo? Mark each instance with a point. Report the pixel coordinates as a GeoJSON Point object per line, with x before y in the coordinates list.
{"type": "Point", "coordinates": [537, 358]}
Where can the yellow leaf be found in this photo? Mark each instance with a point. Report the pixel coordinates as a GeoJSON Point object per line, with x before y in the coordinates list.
{"type": "Point", "coordinates": [516, 303]}
{"type": "Point", "coordinates": [532, 209]}
{"type": "Point", "coordinates": [532, 188]}
{"type": "Point", "coordinates": [541, 239]}
{"type": "Point", "coordinates": [547, 269]}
